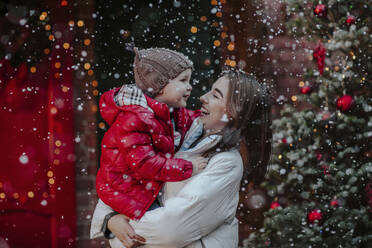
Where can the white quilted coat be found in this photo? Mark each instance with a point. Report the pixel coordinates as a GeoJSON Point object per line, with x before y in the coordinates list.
{"type": "Point", "coordinates": [196, 213]}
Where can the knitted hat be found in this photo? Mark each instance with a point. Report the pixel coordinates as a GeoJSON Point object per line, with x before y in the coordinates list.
{"type": "Point", "coordinates": [154, 67]}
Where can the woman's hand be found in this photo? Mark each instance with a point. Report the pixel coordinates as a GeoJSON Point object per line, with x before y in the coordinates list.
{"type": "Point", "coordinates": [198, 164]}
{"type": "Point", "coordinates": [120, 227]}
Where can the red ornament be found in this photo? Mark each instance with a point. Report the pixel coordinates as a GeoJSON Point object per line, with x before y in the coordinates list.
{"type": "Point", "coordinates": [306, 90]}
{"type": "Point", "coordinates": [284, 141]}
{"type": "Point", "coordinates": [319, 55]}
{"type": "Point", "coordinates": [64, 3]}
{"type": "Point", "coordinates": [315, 215]}
{"type": "Point", "coordinates": [325, 169]}
{"type": "Point", "coordinates": [350, 20]}
{"type": "Point", "coordinates": [326, 115]}
{"type": "Point", "coordinates": [334, 203]}
{"type": "Point", "coordinates": [319, 156]}
{"type": "Point", "coordinates": [320, 10]}
{"type": "Point", "coordinates": [274, 205]}
{"type": "Point", "coordinates": [345, 103]}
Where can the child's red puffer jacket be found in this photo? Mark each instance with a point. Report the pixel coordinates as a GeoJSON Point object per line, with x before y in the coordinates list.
{"type": "Point", "coordinates": [137, 153]}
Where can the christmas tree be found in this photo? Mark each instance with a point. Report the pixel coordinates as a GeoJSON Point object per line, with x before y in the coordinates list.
{"type": "Point", "coordinates": [321, 166]}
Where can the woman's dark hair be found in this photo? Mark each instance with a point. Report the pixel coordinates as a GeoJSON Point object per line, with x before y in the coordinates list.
{"type": "Point", "coordinates": [249, 128]}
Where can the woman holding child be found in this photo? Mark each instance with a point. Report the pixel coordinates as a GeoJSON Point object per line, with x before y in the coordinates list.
{"type": "Point", "coordinates": [233, 133]}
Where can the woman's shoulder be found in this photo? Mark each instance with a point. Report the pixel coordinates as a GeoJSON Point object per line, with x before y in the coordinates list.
{"type": "Point", "coordinates": [232, 154]}
{"type": "Point", "coordinates": [231, 159]}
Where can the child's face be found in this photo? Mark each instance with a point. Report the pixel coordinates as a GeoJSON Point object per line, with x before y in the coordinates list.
{"type": "Point", "coordinates": [177, 91]}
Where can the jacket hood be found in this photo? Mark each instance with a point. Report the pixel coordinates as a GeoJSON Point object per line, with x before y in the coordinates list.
{"type": "Point", "coordinates": [128, 98]}
{"type": "Point", "coordinates": [108, 108]}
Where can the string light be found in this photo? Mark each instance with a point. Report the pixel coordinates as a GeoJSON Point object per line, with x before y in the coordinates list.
{"type": "Point", "coordinates": [66, 45]}
{"type": "Point", "coordinates": [30, 194]}
{"type": "Point", "coordinates": [194, 29]}
{"type": "Point", "coordinates": [87, 42]}
{"type": "Point", "coordinates": [94, 83]}
{"type": "Point", "coordinates": [203, 18]}
{"type": "Point", "coordinates": [94, 108]}
{"type": "Point", "coordinates": [80, 23]}
{"type": "Point", "coordinates": [101, 125]}
{"type": "Point", "coordinates": [231, 46]}
{"type": "Point", "coordinates": [15, 195]}
{"type": "Point", "coordinates": [65, 89]}
{"type": "Point", "coordinates": [53, 110]}
{"type": "Point", "coordinates": [43, 16]}
{"type": "Point", "coordinates": [216, 43]}
{"type": "Point", "coordinates": [87, 66]}
{"type": "Point", "coordinates": [33, 69]}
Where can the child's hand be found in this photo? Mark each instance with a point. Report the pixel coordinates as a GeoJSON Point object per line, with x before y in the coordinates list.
{"type": "Point", "coordinates": [198, 164]}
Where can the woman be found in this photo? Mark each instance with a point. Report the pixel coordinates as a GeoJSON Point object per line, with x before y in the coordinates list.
{"type": "Point", "coordinates": [200, 212]}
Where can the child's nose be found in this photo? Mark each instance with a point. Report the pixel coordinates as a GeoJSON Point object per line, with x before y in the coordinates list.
{"type": "Point", "coordinates": [189, 87]}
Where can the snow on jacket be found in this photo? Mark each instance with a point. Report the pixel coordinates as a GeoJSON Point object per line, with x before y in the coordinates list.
{"type": "Point", "coordinates": [198, 212]}
{"type": "Point", "coordinates": [138, 149]}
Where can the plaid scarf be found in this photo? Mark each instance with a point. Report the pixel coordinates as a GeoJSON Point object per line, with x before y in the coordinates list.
{"type": "Point", "coordinates": [130, 94]}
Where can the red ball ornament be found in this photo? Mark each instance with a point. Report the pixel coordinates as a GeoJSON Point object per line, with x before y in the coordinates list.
{"type": "Point", "coordinates": [274, 205]}
{"type": "Point", "coordinates": [334, 203]}
{"type": "Point", "coordinates": [350, 20]}
{"type": "Point", "coordinates": [345, 103]}
{"type": "Point", "coordinates": [315, 215]}
{"type": "Point", "coordinates": [306, 90]}
{"type": "Point", "coordinates": [319, 156]}
{"type": "Point", "coordinates": [320, 10]}
{"type": "Point", "coordinates": [284, 141]}
{"type": "Point", "coordinates": [64, 3]}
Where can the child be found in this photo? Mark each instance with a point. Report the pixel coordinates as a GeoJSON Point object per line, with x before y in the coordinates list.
{"type": "Point", "coordinates": [148, 122]}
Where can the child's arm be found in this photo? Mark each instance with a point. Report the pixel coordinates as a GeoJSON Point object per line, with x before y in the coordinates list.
{"type": "Point", "coordinates": [137, 146]}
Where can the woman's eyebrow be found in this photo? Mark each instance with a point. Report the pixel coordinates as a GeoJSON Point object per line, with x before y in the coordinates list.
{"type": "Point", "coordinates": [218, 91]}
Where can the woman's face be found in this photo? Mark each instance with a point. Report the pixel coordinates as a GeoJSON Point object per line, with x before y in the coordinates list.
{"type": "Point", "coordinates": [213, 111]}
